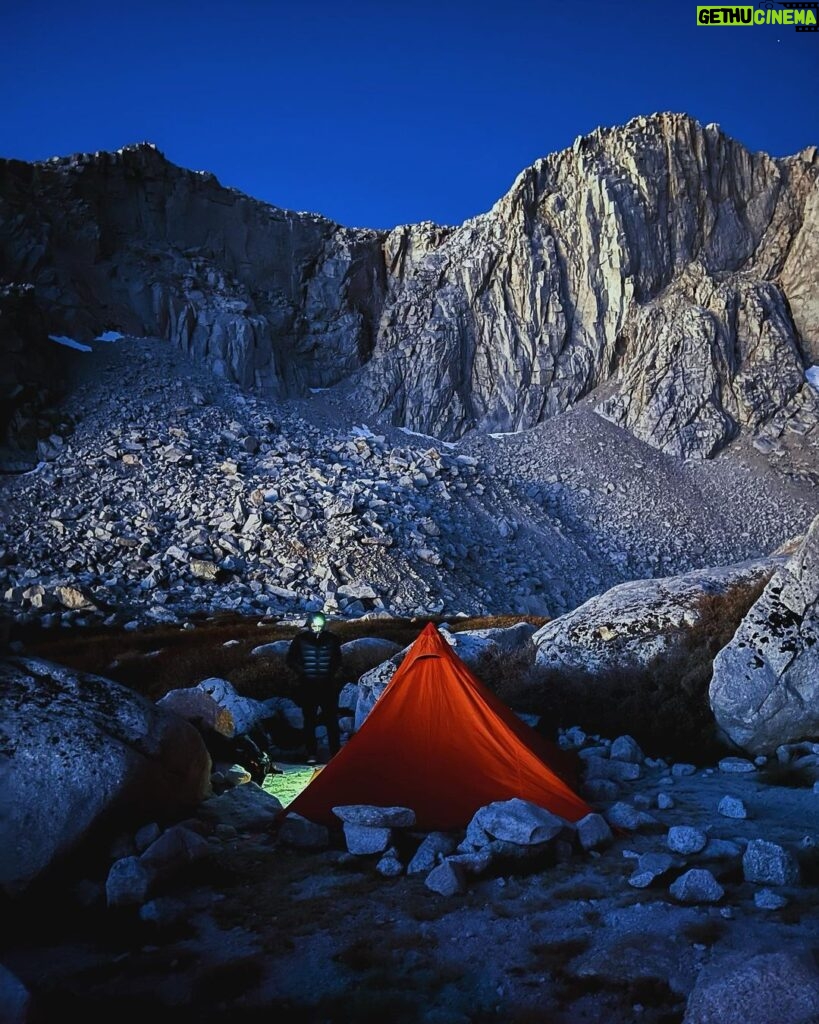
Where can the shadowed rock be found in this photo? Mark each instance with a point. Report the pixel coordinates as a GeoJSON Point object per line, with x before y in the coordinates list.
{"type": "Point", "coordinates": [765, 687]}
{"type": "Point", "coordinates": [74, 749]}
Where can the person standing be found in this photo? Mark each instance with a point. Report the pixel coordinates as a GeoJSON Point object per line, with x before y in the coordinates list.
{"type": "Point", "coordinates": [315, 656]}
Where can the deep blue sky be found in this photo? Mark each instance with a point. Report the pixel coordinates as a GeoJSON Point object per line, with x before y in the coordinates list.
{"type": "Point", "coordinates": [375, 113]}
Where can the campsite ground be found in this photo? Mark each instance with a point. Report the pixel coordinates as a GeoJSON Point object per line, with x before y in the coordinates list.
{"type": "Point", "coordinates": [259, 928]}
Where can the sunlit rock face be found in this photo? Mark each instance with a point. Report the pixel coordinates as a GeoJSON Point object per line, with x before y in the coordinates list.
{"type": "Point", "coordinates": [74, 750]}
{"type": "Point", "coordinates": [655, 258]}
{"type": "Point", "coordinates": [659, 260]}
{"type": "Point", "coordinates": [765, 687]}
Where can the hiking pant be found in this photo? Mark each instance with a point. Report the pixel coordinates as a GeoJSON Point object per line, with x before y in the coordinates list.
{"type": "Point", "coordinates": [319, 704]}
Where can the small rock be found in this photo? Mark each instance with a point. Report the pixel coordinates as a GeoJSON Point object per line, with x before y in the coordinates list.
{"type": "Point", "coordinates": [366, 839]}
{"type": "Point", "coordinates": [665, 802]}
{"type": "Point", "coordinates": [163, 912]}
{"type": "Point", "coordinates": [302, 833]}
{"type": "Point", "coordinates": [605, 768]}
{"type": "Point", "coordinates": [650, 866]}
{"type": "Point", "coordinates": [686, 839]}
{"type": "Point", "coordinates": [176, 848]}
{"type": "Point", "coordinates": [697, 886]}
{"type": "Point", "coordinates": [623, 815]}
{"type": "Point", "coordinates": [236, 775]}
{"type": "Point", "coordinates": [680, 770]}
{"type": "Point", "coordinates": [723, 849]}
{"type": "Point", "coordinates": [474, 862]}
{"type": "Point", "coordinates": [515, 821]}
{"type": "Point", "coordinates": [433, 848]}
{"type": "Point", "coordinates": [736, 765]}
{"type": "Point", "coordinates": [448, 879]}
{"type": "Point", "coordinates": [145, 836]}
{"type": "Point", "coordinates": [732, 807]}
{"type": "Point", "coordinates": [767, 899]}
{"type": "Point", "coordinates": [593, 831]}
{"type": "Point", "coordinates": [601, 790]}
{"type": "Point", "coordinates": [390, 865]}
{"type": "Point", "coordinates": [625, 748]}
{"type": "Point", "coordinates": [376, 817]}
{"type": "Point", "coordinates": [128, 883]}
{"type": "Point", "coordinates": [769, 863]}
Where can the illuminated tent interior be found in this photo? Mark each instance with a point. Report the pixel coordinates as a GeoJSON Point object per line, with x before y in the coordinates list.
{"type": "Point", "coordinates": [440, 742]}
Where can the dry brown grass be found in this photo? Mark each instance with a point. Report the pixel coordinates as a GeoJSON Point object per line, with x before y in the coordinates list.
{"type": "Point", "coordinates": [157, 659]}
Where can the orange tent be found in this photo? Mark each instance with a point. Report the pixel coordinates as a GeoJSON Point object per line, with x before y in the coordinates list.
{"type": "Point", "coordinates": [439, 741]}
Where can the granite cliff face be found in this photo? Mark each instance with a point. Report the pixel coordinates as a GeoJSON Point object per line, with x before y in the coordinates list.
{"type": "Point", "coordinates": [659, 262]}
{"type": "Point", "coordinates": [129, 241]}
{"type": "Point", "coordinates": [662, 260]}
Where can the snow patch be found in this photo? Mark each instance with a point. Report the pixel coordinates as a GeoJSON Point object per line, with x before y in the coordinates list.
{"type": "Point", "coordinates": [109, 336]}
{"type": "Point", "coordinates": [317, 391]}
{"type": "Point", "coordinates": [812, 376]}
{"type": "Point", "coordinates": [61, 339]}
{"type": "Point", "coordinates": [429, 437]}
{"type": "Point", "coordinates": [364, 431]}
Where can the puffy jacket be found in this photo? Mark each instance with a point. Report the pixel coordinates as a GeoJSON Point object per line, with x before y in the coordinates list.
{"type": "Point", "coordinates": [316, 658]}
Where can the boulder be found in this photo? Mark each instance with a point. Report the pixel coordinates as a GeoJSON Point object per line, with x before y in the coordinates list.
{"type": "Point", "coordinates": [246, 713]}
{"type": "Point", "coordinates": [74, 749]}
{"type": "Point", "coordinates": [765, 687]}
{"type": "Point", "coordinates": [489, 653]}
{"type": "Point", "coordinates": [15, 999]}
{"type": "Point", "coordinates": [637, 659]}
{"type": "Point", "coordinates": [360, 655]}
{"type": "Point", "coordinates": [770, 986]}
{"type": "Point", "coordinates": [200, 708]}
{"type": "Point", "coordinates": [278, 649]}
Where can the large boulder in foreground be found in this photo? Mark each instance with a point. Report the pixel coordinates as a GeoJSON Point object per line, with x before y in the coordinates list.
{"type": "Point", "coordinates": [765, 687]}
{"type": "Point", "coordinates": [638, 658]}
{"type": "Point", "coordinates": [774, 985]}
{"type": "Point", "coordinates": [76, 750]}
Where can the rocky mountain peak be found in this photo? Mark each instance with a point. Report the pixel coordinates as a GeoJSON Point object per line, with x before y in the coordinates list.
{"type": "Point", "coordinates": [659, 263]}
